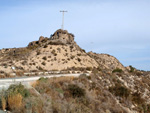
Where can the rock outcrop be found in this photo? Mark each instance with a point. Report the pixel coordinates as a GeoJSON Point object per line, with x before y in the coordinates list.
{"type": "Point", "coordinates": [40, 41]}
{"type": "Point", "coordinates": [63, 36]}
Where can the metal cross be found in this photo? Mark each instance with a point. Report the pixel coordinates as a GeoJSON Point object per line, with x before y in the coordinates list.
{"type": "Point", "coordinates": [62, 26]}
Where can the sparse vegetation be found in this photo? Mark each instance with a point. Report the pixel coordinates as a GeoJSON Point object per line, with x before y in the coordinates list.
{"type": "Point", "coordinates": [120, 91]}
{"type": "Point", "coordinates": [117, 70]}
{"type": "Point", "coordinates": [83, 94]}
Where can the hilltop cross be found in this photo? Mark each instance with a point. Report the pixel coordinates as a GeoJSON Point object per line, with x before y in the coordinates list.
{"type": "Point", "coordinates": [62, 26]}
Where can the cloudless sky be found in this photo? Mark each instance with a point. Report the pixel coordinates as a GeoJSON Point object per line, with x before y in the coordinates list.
{"type": "Point", "coordinates": [117, 27]}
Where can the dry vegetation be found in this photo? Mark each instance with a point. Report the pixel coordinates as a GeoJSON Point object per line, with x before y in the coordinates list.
{"type": "Point", "coordinates": [100, 92]}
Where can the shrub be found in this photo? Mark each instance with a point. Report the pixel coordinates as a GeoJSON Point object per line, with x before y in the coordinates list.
{"type": "Point", "coordinates": [72, 57]}
{"type": "Point", "coordinates": [15, 101]}
{"type": "Point", "coordinates": [94, 70]}
{"type": "Point", "coordinates": [83, 50]}
{"type": "Point", "coordinates": [76, 91]}
{"type": "Point", "coordinates": [131, 69]}
{"type": "Point", "coordinates": [45, 46]}
{"type": "Point", "coordinates": [19, 73]}
{"type": "Point", "coordinates": [79, 60]}
{"type": "Point", "coordinates": [136, 98]}
{"type": "Point", "coordinates": [43, 63]}
{"type": "Point", "coordinates": [56, 43]}
{"type": "Point", "coordinates": [40, 68]}
{"type": "Point", "coordinates": [89, 68]}
{"type": "Point", "coordinates": [15, 89]}
{"type": "Point", "coordinates": [72, 34]}
{"type": "Point", "coordinates": [120, 91]}
{"type": "Point", "coordinates": [59, 49]}
{"type": "Point", "coordinates": [79, 54]}
{"type": "Point", "coordinates": [117, 70]}
{"type": "Point", "coordinates": [54, 52]}
{"type": "Point", "coordinates": [38, 53]}
{"type": "Point", "coordinates": [71, 47]}
{"type": "Point", "coordinates": [44, 58]}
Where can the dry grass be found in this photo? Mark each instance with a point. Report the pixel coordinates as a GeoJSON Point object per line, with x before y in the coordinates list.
{"type": "Point", "coordinates": [61, 79]}
{"type": "Point", "coordinates": [83, 94]}
{"type": "Point", "coordinates": [34, 83]}
{"type": "Point", "coordinates": [19, 73]}
{"type": "Point", "coordinates": [15, 101]}
{"type": "Point", "coordinates": [3, 100]}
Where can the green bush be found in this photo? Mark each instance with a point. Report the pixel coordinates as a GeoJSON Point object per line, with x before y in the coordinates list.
{"type": "Point", "coordinates": [117, 70]}
{"type": "Point", "coordinates": [76, 91]}
{"type": "Point", "coordinates": [131, 69]}
{"type": "Point", "coordinates": [18, 88]}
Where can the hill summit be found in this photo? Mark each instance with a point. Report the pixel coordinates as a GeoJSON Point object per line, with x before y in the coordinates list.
{"type": "Point", "coordinates": [59, 37]}
{"type": "Point", "coordinates": [59, 52]}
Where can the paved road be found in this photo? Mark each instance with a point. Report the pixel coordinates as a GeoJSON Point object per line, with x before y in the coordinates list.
{"type": "Point", "coordinates": [5, 83]}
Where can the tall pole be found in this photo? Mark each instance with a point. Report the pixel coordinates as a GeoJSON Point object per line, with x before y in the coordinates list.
{"type": "Point", "coordinates": [62, 26]}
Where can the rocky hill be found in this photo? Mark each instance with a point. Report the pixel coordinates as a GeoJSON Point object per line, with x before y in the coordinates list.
{"type": "Point", "coordinates": [109, 88]}
{"type": "Point", "coordinates": [59, 52]}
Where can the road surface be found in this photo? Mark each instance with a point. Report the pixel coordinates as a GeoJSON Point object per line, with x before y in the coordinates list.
{"type": "Point", "coordinates": [5, 83]}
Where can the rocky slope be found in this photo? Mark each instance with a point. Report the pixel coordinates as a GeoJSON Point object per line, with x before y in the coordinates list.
{"type": "Point", "coordinates": [106, 61]}
{"type": "Point", "coordinates": [59, 52]}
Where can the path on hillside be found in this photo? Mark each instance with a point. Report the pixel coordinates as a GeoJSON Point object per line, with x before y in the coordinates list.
{"type": "Point", "coordinates": [5, 83]}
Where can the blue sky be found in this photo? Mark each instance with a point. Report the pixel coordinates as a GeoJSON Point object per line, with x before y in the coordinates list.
{"type": "Point", "coordinates": [117, 27]}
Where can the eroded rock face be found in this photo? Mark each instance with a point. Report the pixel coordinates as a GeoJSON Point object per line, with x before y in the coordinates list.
{"type": "Point", "coordinates": [60, 36]}
{"type": "Point", "coordinates": [63, 36]}
{"type": "Point", "coordinates": [40, 41]}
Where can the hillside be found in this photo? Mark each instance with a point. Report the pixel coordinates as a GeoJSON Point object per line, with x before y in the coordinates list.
{"type": "Point", "coordinates": [101, 92]}
{"type": "Point", "coordinates": [59, 52]}
{"type": "Point", "coordinates": [107, 62]}
{"type": "Point", "coordinates": [109, 87]}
